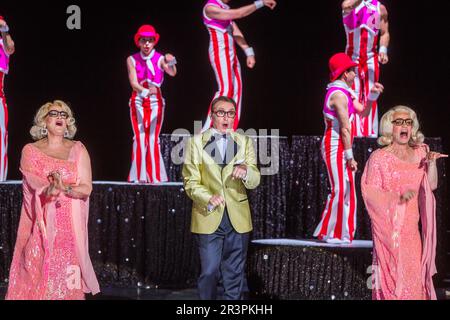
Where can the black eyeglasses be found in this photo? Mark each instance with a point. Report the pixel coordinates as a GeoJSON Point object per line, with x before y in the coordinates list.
{"type": "Point", "coordinates": [221, 114]}
{"type": "Point", "coordinates": [400, 122]}
{"type": "Point", "coordinates": [56, 114]}
{"type": "Point", "coordinates": [144, 40]}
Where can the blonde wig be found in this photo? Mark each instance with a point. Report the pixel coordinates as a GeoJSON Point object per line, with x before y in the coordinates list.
{"type": "Point", "coordinates": [38, 131]}
{"type": "Point", "coordinates": [386, 127]}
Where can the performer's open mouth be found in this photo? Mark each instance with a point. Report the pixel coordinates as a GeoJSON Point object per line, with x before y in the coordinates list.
{"type": "Point", "coordinates": [404, 134]}
{"type": "Point", "coordinates": [59, 123]}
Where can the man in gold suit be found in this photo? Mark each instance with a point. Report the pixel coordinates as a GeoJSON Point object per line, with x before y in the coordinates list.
{"type": "Point", "coordinates": [219, 166]}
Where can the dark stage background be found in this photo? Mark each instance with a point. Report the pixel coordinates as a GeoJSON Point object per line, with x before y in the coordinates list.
{"type": "Point", "coordinates": [285, 91]}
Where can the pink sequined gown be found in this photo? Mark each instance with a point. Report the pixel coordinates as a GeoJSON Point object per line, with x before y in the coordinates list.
{"type": "Point", "coordinates": [403, 264]}
{"type": "Point", "coordinates": [51, 260]}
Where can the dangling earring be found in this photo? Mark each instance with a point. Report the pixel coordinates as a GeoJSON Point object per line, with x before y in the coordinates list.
{"type": "Point", "coordinates": [66, 134]}
{"type": "Point", "coordinates": [44, 131]}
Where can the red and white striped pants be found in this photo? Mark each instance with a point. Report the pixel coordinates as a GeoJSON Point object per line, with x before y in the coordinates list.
{"type": "Point", "coordinates": [147, 165]}
{"type": "Point", "coordinates": [3, 137]}
{"type": "Point", "coordinates": [225, 63]}
{"type": "Point", "coordinates": [339, 216]}
{"type": "Point", "coordinates": [367, 74]}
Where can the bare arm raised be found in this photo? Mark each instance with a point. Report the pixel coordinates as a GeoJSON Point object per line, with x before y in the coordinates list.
{"type": "Point", "coordinates": [8, 42]}
{"type": "Point", "coordinates": [168, 65]}
{"type": "Point", "coordinates": [214, 12]}
{"type": "Point", "coordinates": [364, 110]}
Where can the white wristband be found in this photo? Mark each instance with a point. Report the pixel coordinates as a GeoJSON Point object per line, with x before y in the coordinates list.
{"type": "Point", "coordinates": [348, 154]}
{"type": "Point", "coordinates": [373, 96]}
{"type": "Point", "coordinates": [383, 49]}
{"type": "Point", "coordinates": [259, 4]}
{"type": "Point", "coordinates": [172, 63]}
{"type": "Point", "coordinates": [144, 93]}
{"type": "Point", "coordinates": [249, 52]}
{"type": "Point", "coordinates": [4, 29]}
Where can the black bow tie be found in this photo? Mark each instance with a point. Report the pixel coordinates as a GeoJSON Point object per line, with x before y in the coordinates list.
{"type": "Point", "coordinates": [218, 136]}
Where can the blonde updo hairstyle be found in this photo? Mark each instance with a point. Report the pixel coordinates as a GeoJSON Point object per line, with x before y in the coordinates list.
{"type": "Point", "coordinates": [37, 131]}
{"type": "Point", "coordinates": [386, 127]}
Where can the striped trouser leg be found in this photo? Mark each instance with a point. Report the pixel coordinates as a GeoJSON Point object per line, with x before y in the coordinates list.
{"type": "Point", "coordinates": [138, 171]}
{"type": "Point", "coordinates": [358, 122]}
{"type": "Point", "coordinates": [368, 74]}
{"type": "Point", "coordinates": [373, 75]}
{"type": "Point", "coordinates": [147, 117]}
{"type": "Point", "coordinates": [155, 161]}
{"type": "Point", "coordinates": [4, 139]}
{"type": "Point", "coordinates": [237, 86]}
{"type": "Point", "coordinates": [223, 59]}
{"type": "Point", "coordinates": [339, 216]}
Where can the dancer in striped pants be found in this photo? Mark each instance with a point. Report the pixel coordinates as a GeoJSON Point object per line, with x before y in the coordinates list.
{"type": "Point", "coordinates": [146, 74]}
{"type": "Point", "coordinates": [224, 32]}
{"type": "Point", "coordinates": [366, 25]}
{"type": "Point", "coordinates": [6, 49]}
{"type": "Point", "coordinates": [338, 223]}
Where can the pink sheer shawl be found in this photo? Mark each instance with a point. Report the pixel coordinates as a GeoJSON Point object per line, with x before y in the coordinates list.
{"type": "Point", "coordinates": [387, 215]}
{"type": "Point", "coordinates": [36, 228]}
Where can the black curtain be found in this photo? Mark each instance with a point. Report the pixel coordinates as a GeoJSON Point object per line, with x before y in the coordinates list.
{"type": "Point", "coordinates": [274, 272]}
